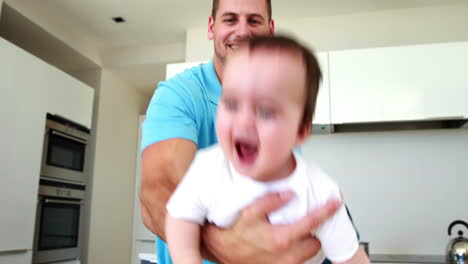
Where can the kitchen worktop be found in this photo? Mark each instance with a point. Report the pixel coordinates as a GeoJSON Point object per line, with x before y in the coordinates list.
{"type": "Point", "coordinates": [391, 258]}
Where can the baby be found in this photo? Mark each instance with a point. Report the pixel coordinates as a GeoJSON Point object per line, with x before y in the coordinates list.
{"type": "Point", "coordinates": [270, 88]}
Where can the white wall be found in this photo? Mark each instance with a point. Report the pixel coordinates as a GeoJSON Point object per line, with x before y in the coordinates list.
{"type": "Point", "coordinates": [403, 188]}
{"type": "Point", "coordinates": [91, 77]}
{"type": "Point", "coordinates": [385, 28]}
{"type": "Point", "coordinates": [55, 22]}
{"type": "Point", "coordinates": [360, 30]}
{"type": "Point", "coordinates": [111, 223]}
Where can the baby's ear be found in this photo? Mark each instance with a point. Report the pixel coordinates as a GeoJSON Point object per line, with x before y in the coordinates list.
{"type": "Point", "coordinates": [303, 133]}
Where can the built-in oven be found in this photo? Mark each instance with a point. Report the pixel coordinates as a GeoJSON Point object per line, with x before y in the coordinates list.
{"type": "Point", "coordinates": [64, 151]}
{"type": "Point", "coordinates": [58, 221]}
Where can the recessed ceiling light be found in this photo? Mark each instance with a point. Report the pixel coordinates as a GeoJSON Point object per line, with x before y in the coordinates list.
{"type": "Point", "coordinates": [118, 19]}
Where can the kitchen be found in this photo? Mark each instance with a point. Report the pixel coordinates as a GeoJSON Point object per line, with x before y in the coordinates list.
{"type": "Point", "coordinates": [416, 197]}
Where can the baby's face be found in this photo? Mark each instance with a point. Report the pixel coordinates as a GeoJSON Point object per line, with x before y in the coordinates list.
{"type": "Point", "coordinates": [260, 111]}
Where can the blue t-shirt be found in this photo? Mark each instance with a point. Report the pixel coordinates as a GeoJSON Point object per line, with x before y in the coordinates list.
{"type": "Point", "coordinates": [183, 107]}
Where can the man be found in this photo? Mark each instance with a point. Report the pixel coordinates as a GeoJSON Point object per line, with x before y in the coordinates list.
{"type": "Point", "coordinates": [180, 120]}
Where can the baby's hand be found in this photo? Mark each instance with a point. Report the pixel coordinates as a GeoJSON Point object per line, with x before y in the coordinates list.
{"type": "Point", "coordinates": [183, 239]}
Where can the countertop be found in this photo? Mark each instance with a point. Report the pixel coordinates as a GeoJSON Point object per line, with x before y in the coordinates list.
{"type": "Point", "coordinates": [390, 258]}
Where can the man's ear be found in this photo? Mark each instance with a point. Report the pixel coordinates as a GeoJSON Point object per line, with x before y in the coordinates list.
{"type": "Point", "coordinates": [272, 27]}
{"type": "Point", "coordinates": [210, 27]}
{"type": "Point", "coordinates": [303, 133]}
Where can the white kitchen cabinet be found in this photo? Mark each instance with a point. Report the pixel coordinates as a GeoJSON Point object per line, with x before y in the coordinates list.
{"type": "Point", "coordinates": [30, 88]}
{"type": "Point", "coordinates": [69, 98]}
{"type": "Point", "coordinates": [16, 257]}
{"type": "Point", "coordinates": [399, 83]}
{"type": "Point", "coordinates": [322, 111]}
{"type": "Point", "coordinates": [22, 136]}
{"type": "Point", "coordinates": [322, 108]}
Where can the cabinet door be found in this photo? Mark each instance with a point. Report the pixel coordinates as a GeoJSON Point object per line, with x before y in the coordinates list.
{"type": "Point", "coordinates": [19, 257]}
{"type": "Point", "coordinates": [399, 83]}
{"type": "Point", "coordinates": [322, 108]}
{"type": "Point", "coordinates": [22, 135]}
{"type": "Point", "coordinates": [69, 97]}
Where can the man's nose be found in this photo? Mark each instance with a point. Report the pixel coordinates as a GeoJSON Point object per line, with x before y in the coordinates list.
{"type": "Point", "coordinates": [243, 30]}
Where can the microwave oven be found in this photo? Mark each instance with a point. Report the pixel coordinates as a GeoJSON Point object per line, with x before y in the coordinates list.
{"type": "Point", "coordinates": [64, 150]}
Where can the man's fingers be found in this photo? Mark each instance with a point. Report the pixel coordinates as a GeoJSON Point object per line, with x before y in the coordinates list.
{"type": "Point", "coordinates": [302, 250]}
{"type": "Point", "coordinates": [311, 221]}
{"type": "Point", "coordinates": [269, 203]}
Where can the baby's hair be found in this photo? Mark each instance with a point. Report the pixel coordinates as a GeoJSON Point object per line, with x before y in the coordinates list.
{"type": "Point", "coordinates": [313, 72]}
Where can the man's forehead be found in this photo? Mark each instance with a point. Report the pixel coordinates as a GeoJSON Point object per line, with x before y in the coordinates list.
{"type": "Point", "coordinates": [242, 7]}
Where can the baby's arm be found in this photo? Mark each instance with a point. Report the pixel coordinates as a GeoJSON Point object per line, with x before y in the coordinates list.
{"type": "Point", "coordinates": [183, 238]}
{"type": "Point", "coordinates": [360, 257]}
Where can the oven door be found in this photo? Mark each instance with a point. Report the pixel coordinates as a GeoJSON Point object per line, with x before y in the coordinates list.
{"type": "Point", "coordinates": [63, 156]}
{"type": "Point", "coordinates": [57, 230]}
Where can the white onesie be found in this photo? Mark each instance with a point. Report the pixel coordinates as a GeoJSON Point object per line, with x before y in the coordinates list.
{"type": "Point", "coordinates": [213, 191]}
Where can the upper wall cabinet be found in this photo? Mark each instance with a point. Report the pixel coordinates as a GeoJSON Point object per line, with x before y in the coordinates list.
{"type": "Point", "coordinates": [399, 83]}
{"type": "Point", "coordinates": [69, 98]}
{"type": "Point", "coordinates": [322, 108]}
{"type": "Point", "coordinates": [322, 113]}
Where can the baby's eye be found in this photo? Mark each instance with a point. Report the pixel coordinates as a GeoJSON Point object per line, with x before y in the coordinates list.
{"type": "Point", "coordinates": [265, 113]}
{"type": "Point", "coordinates": [230, 105]}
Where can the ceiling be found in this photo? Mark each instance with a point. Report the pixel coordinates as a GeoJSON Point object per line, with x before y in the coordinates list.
{"type": "Point", "coordinates": [164, 22]}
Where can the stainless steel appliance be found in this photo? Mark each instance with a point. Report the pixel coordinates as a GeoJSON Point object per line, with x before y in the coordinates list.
{"type": "Point", "coordinates": [457, 248]}
{"type": "Point", "coordinates": [58, 221]}
{"type": "Point", "coordinates": [65, 146]}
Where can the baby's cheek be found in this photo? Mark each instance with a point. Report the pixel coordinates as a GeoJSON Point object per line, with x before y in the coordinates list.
{"type": "Point", "coordinates": [223, 131]}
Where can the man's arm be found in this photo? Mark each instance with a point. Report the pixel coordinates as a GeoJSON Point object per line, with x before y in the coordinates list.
{"type": "Point", "coordinates": [163, 165]}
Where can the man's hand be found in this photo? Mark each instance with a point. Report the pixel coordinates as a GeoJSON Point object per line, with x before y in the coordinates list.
{"type": "Point", "coordinates": [252, 239]}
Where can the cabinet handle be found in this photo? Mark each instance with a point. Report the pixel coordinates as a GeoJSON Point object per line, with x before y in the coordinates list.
{"type": "Point", "coordinates": [13, 252]}
{"type": "Point", "coordinates": [54, 132]}
{"type": "Point", "coordinates": [52, 201]}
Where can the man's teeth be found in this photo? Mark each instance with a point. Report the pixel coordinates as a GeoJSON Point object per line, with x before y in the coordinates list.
{"type": "Point", "coordinates": [233, 46]}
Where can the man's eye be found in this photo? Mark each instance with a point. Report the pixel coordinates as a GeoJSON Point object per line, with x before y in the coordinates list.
{"type": "Point", "coordinates": [229, 20]}
{"type": "Point", "coordinates": [254, 21]}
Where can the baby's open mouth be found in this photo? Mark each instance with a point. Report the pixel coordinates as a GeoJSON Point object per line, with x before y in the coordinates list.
{"type": "Point", "coordinates": [246, 151]}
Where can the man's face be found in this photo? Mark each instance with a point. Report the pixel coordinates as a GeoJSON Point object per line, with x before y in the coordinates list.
{"type": "Point", "coordinates": [260, 111]}
{"type": "Point", "coordinates": [236, 20]}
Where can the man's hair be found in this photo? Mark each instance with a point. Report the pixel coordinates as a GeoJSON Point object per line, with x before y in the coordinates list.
{"type": "Point", "coordinates": [313, 73]}
{"type": "Point", "coordinates": [214, 9]}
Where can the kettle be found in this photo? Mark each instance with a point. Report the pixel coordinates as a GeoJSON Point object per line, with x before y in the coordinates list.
{"type": "Point", "coordinates": [457, 248]}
